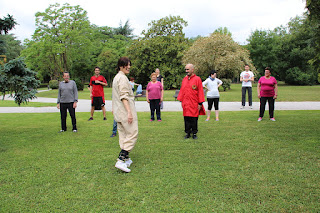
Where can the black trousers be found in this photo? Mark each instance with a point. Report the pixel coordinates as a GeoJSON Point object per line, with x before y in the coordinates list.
{"type": "Point", "coordinates": [155, 106]}
{"type": "Point", "coordinates": [212, 101]}
{"type": "Point", "coordinates": [263, 101]}
{"type": "Point", "coordinates": [63, 112]}
{"type": "Point", "coordinates": [244, 95]}
{"type": "Point", "coordinates": [191, 125]}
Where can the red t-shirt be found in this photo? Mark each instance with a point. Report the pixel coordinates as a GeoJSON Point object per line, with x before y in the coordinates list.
{"type": "Point", "coordinates": [154, 90]}
{"type": "Point", "coordinates": [97, 89]}
{"type": "Point", "coordinates": [267, 86]}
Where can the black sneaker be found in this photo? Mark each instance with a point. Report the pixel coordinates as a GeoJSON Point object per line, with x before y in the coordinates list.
{"type": "Point", "coordinates": [194, 136]}
{"type": "Point", "coordinates": [113, 135]}
{"type": "Point", "coordinates": [187, 136]}
{"type": "Point", "coordinates": [90, 119]}
{"type": "Point", "coordinates": [104, 118]}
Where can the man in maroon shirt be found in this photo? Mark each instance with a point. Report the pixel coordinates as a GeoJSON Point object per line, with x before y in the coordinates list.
{"type": "Point", "coordinates": [191, 96]}
{"type": "Point", "coordinates": [97, 82]}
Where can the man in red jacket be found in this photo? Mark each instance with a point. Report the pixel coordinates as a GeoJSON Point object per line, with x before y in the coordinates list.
{"type": "Point", "coordinates": [191, 96]}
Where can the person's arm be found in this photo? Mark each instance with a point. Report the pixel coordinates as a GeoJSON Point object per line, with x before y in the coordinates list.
{"type": "Point", "coordinates": [102, 83]}
{"type": "Point", "coordinates": [220, 83]}
{"type": "Point", "coordinates": [241, 79]}
{"type": "Point", "coordinates": [59, 95]}
{"type": "Point", "coordinates": [147, 96]}
{"type": "Point", "coordinates": [275, 91]}
{"type": "Point", "coordinates": [259, 89]}
{"type": "Point", "coordinates": [90, 89]}
{"type": "Point", "coordinates": [162, 82]}
{"type": "Point", "coordinates": [161, 95]}
{"type": "Point", "coordinates": [75, 92]}
{"type": "Point", "coordinates": [127, 107]}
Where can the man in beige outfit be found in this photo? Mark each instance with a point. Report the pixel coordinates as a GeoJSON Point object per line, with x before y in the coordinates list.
{"type": "Point", "coordinates": [124, 113]}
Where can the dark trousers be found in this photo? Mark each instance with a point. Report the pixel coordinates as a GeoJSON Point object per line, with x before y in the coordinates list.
{"type": "Point", "coordinates": [244, 95]}
{"type": "Point", "coordinates": [63, 112]}
{"type": "Point", "coordinates": [155, 106]}
{"type": "Point", "coordinates": [191, 125]}
{"type": "Point", "coordinates": [263, 101]}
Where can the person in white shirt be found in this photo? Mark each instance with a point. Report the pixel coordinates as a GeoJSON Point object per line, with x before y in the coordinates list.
{"type": "Point", "coordinates": [212, 83]}
{"type": "Point", "coordinates": [246, 77]}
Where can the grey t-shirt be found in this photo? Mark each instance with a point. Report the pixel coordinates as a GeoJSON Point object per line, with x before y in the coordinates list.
{"type": "Point", "coordinates": [68, 92]}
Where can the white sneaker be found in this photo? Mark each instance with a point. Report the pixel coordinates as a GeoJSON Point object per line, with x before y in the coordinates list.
{"type": "Point", "coordinates": [122, 166]}
{"type": "Point", "coordinates": [128, 162]}
{"type": "Point", "coordinates": [251, 107]}
{"type": "Point", "coordinates": [242, 107]}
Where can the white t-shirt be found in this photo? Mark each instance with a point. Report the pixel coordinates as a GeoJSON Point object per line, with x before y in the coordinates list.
{"type": "Point", "coordinates": [245, 76]}
{"type": "Point", "coordinates": [212, 86]}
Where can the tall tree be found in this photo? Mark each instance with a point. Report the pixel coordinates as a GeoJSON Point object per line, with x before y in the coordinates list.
{"type": "Point", "coordinates": [7, 24]}
{"type": "Point", "coordinates": [217, 52]}
{"type": "Point", "coordinates": [61, 42]}
{"type": "Point", "coordinates": [161, 47]}
{"type": "Point", "coordinates": [124, 30]}
{"type": "Point", "coordinates": [223, 31]}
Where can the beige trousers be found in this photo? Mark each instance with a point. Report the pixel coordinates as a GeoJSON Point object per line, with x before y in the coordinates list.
{"type": "Point", "coordinates": [128, 134]}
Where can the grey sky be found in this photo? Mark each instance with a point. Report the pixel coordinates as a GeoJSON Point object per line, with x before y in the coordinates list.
{"type": "Point", "coordinates": [241, 17]}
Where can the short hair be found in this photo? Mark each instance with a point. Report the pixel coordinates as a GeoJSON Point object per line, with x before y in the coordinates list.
{"type": "Point", "coordinates": [152, 74]}
{"type": "Point", "coordinates": [246, 65]}
{"type": "Point", "coordinates": [131, 78]}
{"type": "Point", "coordinates": [97, 68]}
{"type": "Point", "coordinates": [157, 69]}
{"type": "Point", "coordinates": [65, 72]}
{"type": "Point", "coordinates": [267, 68]}
{"type": "Point", "coordinates": [123, 62]}
{"type": "Point", "coordinates": [212, 72]}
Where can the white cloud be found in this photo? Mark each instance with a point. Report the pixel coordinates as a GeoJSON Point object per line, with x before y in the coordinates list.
{"type": "Point", "coordinates": [203, 16]}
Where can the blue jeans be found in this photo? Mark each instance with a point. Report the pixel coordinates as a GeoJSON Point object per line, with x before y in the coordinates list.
{"type": "Point", "coordinates": [114, 129]}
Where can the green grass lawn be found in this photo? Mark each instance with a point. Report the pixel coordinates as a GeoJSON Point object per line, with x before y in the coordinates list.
{"type": "Point", "coordinates": [6, 103]}
{"type": "Point", "coordinates": [236, 165]}
{"type": "Point", "coordinates": [286, 93]}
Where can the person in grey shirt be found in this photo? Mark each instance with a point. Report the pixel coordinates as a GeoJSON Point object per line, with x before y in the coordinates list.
{"type": "Point", "coordinates": [67, 100]}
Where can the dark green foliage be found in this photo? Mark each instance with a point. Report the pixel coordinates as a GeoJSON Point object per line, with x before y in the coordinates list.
{"type": "Point", "coordinates": [80, 84]}
{"type": "Point", "coordinates": [226, 84]}
{"type": "Point", "coordinates": [297, 77]}
{"type": "Point", "coordinates": [19, 81]}
{"type": "Point", "coordinates": [54, 84]}
{"type": "Point", "coordinates": [10, 46]}
{"type": "Point", "coordinates": [6, 24]}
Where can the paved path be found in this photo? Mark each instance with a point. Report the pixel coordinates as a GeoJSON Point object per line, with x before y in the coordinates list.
{"type": "Point", "coordinates": [143, 106]}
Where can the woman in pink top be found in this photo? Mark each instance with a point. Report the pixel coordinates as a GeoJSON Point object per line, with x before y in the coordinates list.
{"type": "Point", "coordinates": [267, 91]}
{"type": "Point", "coordinates": [154, 95]}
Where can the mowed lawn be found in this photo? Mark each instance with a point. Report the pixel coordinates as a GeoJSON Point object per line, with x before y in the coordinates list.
{"type": "Point", "coordinates": [236, 165]}
{"type": "Point", "coordinates": [286, 93]}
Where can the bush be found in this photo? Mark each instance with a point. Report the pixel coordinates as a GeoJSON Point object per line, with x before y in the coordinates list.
{"type": "Point", "coordinates": [226, 84]}
{"type": "Point", "coordinates": [79, 84]}
{"type": "Point", "coordinates": [295, 76]}
{"type": "Point", "coordinates": [54, 84]}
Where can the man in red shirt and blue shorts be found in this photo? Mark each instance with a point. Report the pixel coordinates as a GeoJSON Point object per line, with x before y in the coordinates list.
{"type": "Point", "coordinates": [97, 82]}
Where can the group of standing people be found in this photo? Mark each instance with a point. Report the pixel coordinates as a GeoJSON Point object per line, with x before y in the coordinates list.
{"type": "Point", "coordinates": [191, 96]}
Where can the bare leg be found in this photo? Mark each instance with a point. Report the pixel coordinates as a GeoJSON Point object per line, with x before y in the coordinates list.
{"type": "Point", "coordinates": [104, 111]}
{"type": "Point", "coordinates": [209, 113]}
{"type": "Point", "coordinates": [217, 115]}
{"type": "Point", "coordinates": [92, 111]}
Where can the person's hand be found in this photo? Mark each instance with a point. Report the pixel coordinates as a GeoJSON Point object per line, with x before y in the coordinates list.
{"type": "Point", "coordinates": [148, 100]}
{"type": "Point", "coordinates": [130, 118]}
{"type": "Point", "coordinates": [259, 96]}
{"type": "Point", "coordinates": [97, 81]}
{"type": "Point", "coordinates": [75, 105]}
{"type": "Point", "coordinates": [275, 97]}
{"type": "Point", "coordinates": [245, 80]}
{"type": "Point", "coordinates": [58, 106]}
{"type": "Point", "coordinates": [161, 99]}
{"type": "Point", "coordinates": [199, 107]}
{"type": "Point", "coordinates": [91, 95]}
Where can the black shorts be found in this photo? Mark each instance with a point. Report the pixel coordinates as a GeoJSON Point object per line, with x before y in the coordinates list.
{"type": "Point", "coordinates": [211, 101]}
{"type": "Point", "coordinates": [97, 103]}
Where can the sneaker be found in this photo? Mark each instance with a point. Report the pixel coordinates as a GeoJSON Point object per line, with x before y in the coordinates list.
{"type": "Point", "coordinates": [217, 119]}
{"type": "Point", "coordinates": [122, 166]}
{"type": "Point", "coordinates": [90, 119]}
{"type": "Point", "coordinates": [207, 119]}
{"type": "Point", "coordinates": [251, 107]}
{"type": "Point", "coordinates": [194, 136]}
{"type": "Point", "coordinates": [128, 162]}
{"type": "Point", "coordinates": [272, 119]}
{"type": "Point", "coordinates": [61, 131]}
{"type": "Point", "coordinates": [242, 107]}
{"type": "Point", "coordinates": [113, 135]}
{"type": "Point", "coordinates": [259, 119]}
{"type": "Point", "coordinates": [151, 120]}
{"type": "Point", "coordinates": [159, 120]}
{"type": "Point", "coordinates": [187, 136]}
{"type": "Point", "coordinates": [74, 130]}
{"type": "Point", "coordinates": [104, 118]}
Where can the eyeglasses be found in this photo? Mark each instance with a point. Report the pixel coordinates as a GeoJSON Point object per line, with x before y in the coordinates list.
{"type": "Point", "coordinates": [186, 69]}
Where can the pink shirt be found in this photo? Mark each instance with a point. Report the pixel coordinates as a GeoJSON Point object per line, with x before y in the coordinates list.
{"type": "Point", "coordinates": [267, 86]}
{"type": "Point", "coordinates": [154, 90]}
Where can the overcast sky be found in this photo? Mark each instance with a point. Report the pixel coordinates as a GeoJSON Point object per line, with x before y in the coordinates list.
{"type": "Point", "coordinates": [241, 17]}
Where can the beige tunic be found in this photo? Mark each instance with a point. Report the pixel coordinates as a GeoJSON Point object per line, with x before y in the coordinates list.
{"type": "Point", "coordinates": [128, 133]}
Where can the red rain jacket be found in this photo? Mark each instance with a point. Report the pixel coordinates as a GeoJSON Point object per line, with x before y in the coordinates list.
{"type": "Point", "coordinates": [190, 95]}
